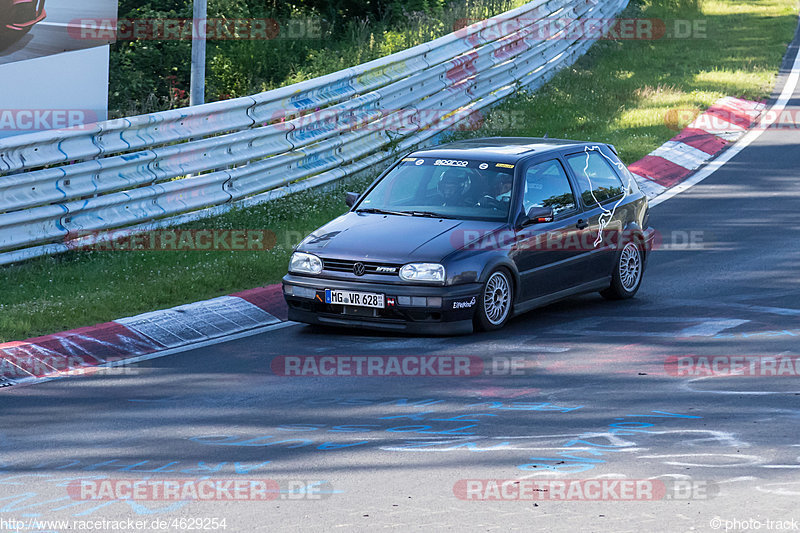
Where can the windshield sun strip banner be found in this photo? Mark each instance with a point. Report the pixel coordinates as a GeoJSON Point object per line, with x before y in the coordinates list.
{"type": "Point", "coordinates": [456, 163]}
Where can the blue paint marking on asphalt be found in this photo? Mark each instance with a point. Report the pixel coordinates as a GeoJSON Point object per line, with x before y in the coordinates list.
{"type": "Point", "coordinates": [33, 500]}
{"type": "Point", "coordinates": [199, 468]}
{"type": "Point", "coordinates": [768, 333]}
{"type": "Point", "coordinates": [373, 401]}
{"type": "Point", "coordinates": [407, 402]}
{"type": "Point", "coordinates": [454, 427]}
{"type": "Point", "coordinates": [572, 464]}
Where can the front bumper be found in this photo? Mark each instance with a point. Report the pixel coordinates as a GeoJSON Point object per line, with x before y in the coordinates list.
{"type": "Point", "coordinates": [452, 316]}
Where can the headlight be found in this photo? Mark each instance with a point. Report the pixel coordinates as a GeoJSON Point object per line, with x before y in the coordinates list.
{"type": "Point", "coordinates": [422, 272]}
{"type": "Point", "coordinates": [303, 263]}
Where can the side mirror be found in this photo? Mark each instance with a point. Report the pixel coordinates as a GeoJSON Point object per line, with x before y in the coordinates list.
{"type": "Point", "coordinates": [538, 215]}
{"type": "Point", "coordinates": [351, 198]}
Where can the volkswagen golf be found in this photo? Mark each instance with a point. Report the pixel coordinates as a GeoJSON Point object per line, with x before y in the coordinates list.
{"type": "Point", "coordinates": [469, 234]}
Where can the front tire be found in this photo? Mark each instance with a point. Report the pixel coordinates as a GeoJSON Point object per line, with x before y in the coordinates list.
{"type": "Point", "coordinates": [627, 276]}
{"type": "Point", "coordinates": [494, 303]}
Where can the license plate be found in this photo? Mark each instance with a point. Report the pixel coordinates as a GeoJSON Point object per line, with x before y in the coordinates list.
{"type": "Point", "coordinates": [358, 299]}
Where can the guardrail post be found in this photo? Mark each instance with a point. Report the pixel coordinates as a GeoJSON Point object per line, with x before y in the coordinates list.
{"type": "Point", "coordinates": [199, 30]}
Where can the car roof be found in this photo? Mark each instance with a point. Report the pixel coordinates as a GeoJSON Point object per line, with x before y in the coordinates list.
{"type": "Point", "coordinates": [500, 149]}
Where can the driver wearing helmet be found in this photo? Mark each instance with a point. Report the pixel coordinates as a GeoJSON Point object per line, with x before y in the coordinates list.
{"type": "Point", "coordinates": [453, 186]}
{"type": "Point", "coordinates": [502, 187]}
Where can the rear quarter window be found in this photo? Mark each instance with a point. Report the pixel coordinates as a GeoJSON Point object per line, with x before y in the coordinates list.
{"type": "Point", "coordinates": [596, 178]}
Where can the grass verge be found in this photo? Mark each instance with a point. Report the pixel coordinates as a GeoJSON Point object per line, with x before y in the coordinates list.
{"type": "Point", "coordinates": [636, 94]}
{"type": "Point", "coordinates": [620, 92]}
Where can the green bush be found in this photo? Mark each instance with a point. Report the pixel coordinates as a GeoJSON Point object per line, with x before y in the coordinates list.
{"type": "Point", "coordinates": [149, 75]}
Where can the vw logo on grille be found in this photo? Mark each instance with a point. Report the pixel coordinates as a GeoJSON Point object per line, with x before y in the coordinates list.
{"type": "Point", "coordinates": [359, 269]}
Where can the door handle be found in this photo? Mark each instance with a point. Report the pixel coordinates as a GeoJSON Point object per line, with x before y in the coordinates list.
{"type": "Point", "coordinates": [582, 223]}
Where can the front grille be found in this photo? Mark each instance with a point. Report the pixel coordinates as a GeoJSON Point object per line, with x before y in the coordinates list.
{"type": "Point", "coordinates": [343, 265]}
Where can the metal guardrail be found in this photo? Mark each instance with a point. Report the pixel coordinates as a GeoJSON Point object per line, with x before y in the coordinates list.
{"type": "Point", "coordinates": [165, 168]}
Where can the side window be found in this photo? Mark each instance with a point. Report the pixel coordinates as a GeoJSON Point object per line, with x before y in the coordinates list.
{"type": "Point", "coordinates": [596, 178]}
{"type": "Point", "coordinates": [546, 185]}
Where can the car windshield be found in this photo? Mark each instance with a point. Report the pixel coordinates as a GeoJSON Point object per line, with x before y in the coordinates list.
{"type": "Point", "coordinates": [447, 188]}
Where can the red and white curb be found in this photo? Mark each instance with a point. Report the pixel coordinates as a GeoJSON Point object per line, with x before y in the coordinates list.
{"type": "Point", "coordinates": [77, 351]}
{"type": "Point", "coordinates": [702, 140]}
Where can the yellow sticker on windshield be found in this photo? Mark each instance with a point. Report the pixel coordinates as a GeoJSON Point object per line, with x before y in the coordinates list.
{"type": "Point", "coordinates": [504, 165]}
{"type": "Point", "coordinates": [412, 159]}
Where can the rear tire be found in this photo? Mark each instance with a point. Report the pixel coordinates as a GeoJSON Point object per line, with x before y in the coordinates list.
{"type": "Point", "coordinates": [627, 276]}
{"type": "Point", "coordinates": [495, 301]}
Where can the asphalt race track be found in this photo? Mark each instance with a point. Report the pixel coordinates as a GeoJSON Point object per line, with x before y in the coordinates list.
{"type": "Point", "coordinates": [593, 397]}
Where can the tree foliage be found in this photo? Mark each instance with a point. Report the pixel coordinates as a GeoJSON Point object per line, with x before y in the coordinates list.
{"type": "Point", "coordinates": [150, 75]}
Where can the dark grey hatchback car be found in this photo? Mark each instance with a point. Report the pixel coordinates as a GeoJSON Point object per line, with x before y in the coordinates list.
{"type": "Point", "coordinates": [471, 233]}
